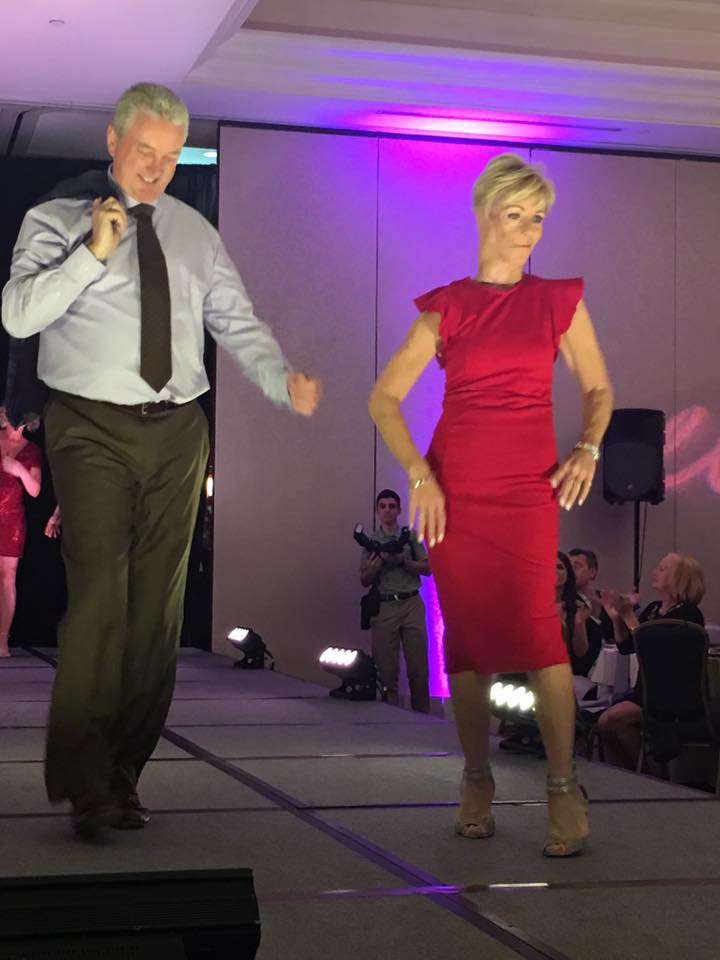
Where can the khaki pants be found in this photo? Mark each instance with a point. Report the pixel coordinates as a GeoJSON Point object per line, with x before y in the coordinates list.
{"type": "Point", "coordinates": [128, 489]}
{"type": "Point", "coordinates": [402, 622]}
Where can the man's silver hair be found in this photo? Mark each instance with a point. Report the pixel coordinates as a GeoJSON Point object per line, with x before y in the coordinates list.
{"type": "Point", "coordinates": [151, 98]}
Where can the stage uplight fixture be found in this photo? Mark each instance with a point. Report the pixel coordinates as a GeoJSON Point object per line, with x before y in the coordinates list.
{"type": "Point", "coordinates": [356, 670]}
{"type": "Point", "coordinates": [253, 648]}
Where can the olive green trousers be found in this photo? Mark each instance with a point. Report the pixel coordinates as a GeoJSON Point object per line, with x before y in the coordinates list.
{"type": "Point", "coordinates": [128, 487]}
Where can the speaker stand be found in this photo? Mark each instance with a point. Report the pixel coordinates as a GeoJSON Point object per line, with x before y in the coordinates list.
{"type": "Point", "coordinates": [636, 547]}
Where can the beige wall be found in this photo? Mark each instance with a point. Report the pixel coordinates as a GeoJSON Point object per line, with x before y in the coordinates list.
{"type": "Point", "coordinates": [614, 224]}
{"type": "Point", "coordinates": [334, 236]}
{"type": "Point", "coordinates": [298, 216]}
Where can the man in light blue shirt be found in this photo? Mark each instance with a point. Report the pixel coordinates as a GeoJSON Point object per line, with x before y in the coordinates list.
{"type": "Point", "coordinates": [119, 289]}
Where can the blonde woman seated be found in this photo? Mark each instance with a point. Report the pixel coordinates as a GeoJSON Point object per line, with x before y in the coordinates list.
{"type": "Point", "coordinates": [679, 582]}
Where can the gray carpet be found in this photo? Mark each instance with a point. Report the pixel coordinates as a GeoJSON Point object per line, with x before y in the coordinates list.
{"type": "Point", "coordinates": [344, 811]}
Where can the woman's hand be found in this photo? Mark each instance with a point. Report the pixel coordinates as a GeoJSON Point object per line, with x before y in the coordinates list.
{"type": "Point", "coordinates": [582, 615]}
{"type": "Point", "coordinates": [624, 606]}
{"type": "Point", "coordinates": [12, 466]}
{"type": "Point", "coordinates": [573, 478]}
{"type": "Point", "coordinates": [428, 502]}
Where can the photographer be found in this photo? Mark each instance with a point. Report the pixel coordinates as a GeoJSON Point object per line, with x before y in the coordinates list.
{"type": "Point", "coordinates": [401, 616]}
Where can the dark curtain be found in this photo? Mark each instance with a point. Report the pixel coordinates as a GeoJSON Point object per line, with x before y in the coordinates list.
{"type": "Point", "coordinates": [41, 578]}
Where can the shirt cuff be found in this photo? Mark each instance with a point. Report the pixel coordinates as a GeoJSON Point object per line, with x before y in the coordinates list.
{"type": "Point", "coordinates": [276, 387]}
{"type": "Point", "coordinates": [82, 266]}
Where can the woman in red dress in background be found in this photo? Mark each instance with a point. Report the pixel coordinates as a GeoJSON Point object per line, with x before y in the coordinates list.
{"type": "Point", "coordinates": [486, 495]}
{"type": "Point", "coordinates": [21, 462]}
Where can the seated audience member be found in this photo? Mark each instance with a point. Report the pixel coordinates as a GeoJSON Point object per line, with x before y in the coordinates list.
{"type": "Point", "coordinates": [599, 626]}
{"type": "Point", "coordinates": [574, 614]}
{"type": "Point", "coordinates": [679, 582]}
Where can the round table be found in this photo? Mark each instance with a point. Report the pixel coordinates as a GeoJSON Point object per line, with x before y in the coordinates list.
{"type": "Point", "coordinates": [614, 672]}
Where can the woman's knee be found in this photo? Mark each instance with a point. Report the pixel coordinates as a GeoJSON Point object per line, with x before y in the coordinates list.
{"type": "Point", "coordinates": [619, 717]}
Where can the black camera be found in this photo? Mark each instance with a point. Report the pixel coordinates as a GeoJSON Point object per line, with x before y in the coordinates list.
{"type": "Point", "coordinates": [375, 547]}
{"type": "Point", "coordinates": [370, 602]}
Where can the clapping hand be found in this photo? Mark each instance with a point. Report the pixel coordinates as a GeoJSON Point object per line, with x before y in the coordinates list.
{"type": "Point", "coordinates": [305, 393]}
{"type": "Point", "coordinates": [582, 614]}
{"type": "Point", "coordinates": [616, 604]}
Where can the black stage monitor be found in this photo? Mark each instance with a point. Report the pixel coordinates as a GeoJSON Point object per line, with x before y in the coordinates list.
{"type": "Point", "coordinates": [633, 456]}
{"type": "Point", "coordinates": [196, 914]}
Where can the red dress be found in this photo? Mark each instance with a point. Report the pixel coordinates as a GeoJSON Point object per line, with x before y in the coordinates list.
{"type": "Point", "coordinates": [12, 508]}
{"type": "Point", "coordinates": [493, 452]}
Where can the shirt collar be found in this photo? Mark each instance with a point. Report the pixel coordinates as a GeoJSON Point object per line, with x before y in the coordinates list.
{"type": "Point", "coordinates": [128, 200]}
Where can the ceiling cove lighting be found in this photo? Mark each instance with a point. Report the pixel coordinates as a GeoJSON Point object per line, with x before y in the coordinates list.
{"type": "Point", "coordinates": [501, 127]}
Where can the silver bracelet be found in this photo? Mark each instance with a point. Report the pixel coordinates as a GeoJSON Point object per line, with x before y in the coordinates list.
{"type": "Point", "coordinates": [592, 448]}
{"type": "Point", "coordinates": [416, 484]}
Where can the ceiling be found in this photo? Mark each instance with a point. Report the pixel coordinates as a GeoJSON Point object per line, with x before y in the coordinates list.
{"type": "Point", "coordinates": [623, 74]}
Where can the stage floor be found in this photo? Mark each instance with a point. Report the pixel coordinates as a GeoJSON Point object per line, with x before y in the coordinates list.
{"type": "Point", "coordinates": [344, 812]}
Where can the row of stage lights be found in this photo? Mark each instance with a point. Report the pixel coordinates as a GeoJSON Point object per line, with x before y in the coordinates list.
{"type": "Point", "coordinates": [359, 678]}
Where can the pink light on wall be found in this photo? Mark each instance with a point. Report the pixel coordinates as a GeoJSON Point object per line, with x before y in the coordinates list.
{"type": "Point", "coordinates": [679, 432]}
{"type": "Point", "coordinates": [494, 127]}
{"type": "Point", "coordinates": [436, 634]}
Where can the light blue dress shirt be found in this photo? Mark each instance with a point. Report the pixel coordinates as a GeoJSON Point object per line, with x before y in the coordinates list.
{"type": "Point", "coordinates": [88, 313]}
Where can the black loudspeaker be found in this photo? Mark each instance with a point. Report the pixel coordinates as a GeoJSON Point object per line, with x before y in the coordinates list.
{"type": "Point", "coordinates": [198, 915]}
{"type": "Point", "coordinates": [633, 456]}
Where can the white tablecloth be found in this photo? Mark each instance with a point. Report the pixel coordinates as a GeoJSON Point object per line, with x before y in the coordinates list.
{"type": "Point", "coordinates": [614, 671]}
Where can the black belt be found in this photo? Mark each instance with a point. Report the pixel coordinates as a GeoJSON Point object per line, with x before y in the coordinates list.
{"type": "Point", "coordinates": [136, 409]}
{"type": "Point", "coordinates": [399, 596]}
{"type": "Point", "coordinates": [146, 409]}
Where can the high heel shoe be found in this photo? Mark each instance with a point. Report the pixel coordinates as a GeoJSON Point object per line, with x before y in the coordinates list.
{"type": "Point", "coordinates": [568, 814]}
{"type": "Point", "coordinates": [475, 820]}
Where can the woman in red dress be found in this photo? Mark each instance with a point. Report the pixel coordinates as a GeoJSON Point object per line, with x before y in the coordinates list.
{"type": "Point", "coordinates": [486, 495]}
{"type": "Point", "coordinates": [21, 461]}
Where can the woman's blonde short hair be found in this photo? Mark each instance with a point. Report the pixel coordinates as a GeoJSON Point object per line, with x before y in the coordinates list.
{"type": "Point", "coordinates": [688, 579]}
{"type": "Point", "coordinates": [151, 98]}
{"type": "Point", "coordinates": [509, 177]}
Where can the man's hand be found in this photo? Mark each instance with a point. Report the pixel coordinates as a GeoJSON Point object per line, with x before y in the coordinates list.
{"type": "Point", "coordinates": [393, 559]}
{"type": "Point", "coordinates": [109, 223]}
{"type": "Point", "coordinates": [374, 562]}
{"type": "Point", "coordinates": [53, 528]}
{"type": "Point", "coordinates": [305, 393]}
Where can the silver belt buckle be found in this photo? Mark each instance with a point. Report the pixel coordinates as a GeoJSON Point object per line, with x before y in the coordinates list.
{"type": "Point", "coordinates": [143, 411]}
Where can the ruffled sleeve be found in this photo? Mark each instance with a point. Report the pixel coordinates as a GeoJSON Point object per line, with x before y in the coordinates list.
{"type": "Point", "coordinates": [434, 301]}
{"type": "Point", "coordinates": [439, 301]}
{"type": "Point", "coordinates": [565, 297]}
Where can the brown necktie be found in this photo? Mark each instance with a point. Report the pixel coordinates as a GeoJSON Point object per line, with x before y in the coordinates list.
{"type": "Point", "coordinates": [155, 349]}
